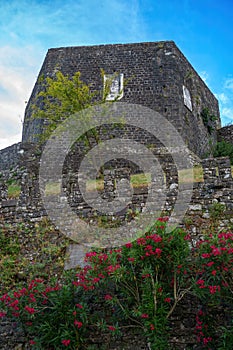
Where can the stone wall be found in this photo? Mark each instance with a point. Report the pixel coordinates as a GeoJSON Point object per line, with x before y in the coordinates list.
{"type": "Point", "coordinates": [213, 194]}
{"type": "Point", "coordinates": [225, 134]}
{"type": "Point", "coordinates": [9, 157]}
{"type": "Point", "coordinates": [158, 76]}
{"type": "Point", "coordinates": [216, 188]}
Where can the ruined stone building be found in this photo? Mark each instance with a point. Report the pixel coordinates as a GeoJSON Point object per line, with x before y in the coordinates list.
{"type": "Point", "coordinates": [157, 75]}
{"type": "Point", "coordinates": [153, 74]}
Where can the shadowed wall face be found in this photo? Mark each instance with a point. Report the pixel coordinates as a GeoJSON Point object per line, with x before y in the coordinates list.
{"type": "Point", "coordinates": [226, 134]}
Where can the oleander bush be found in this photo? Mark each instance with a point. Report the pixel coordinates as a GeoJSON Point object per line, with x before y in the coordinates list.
{"type": "Point", "coordinates": [138, 285]}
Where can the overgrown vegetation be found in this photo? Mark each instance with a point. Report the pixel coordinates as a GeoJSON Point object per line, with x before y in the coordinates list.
{"type": "Point", "coordinates": [13, 189]}
{"type": "Point", "coordinates": [63, 96]}
{"type": "Point", "coordinates": [143, 180]}
{"type": "Point", "coordinates": [208, 119]}
{"type": "Point", "coordinates": [30, 251]}
{"type": "Point", "coordinates": [136, 286]}
{"type": "Point", "coordinates": [224, 149]}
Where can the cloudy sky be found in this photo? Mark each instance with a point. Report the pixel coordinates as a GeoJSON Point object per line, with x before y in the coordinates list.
{"type": "Point", "coordinates": [202, 29]}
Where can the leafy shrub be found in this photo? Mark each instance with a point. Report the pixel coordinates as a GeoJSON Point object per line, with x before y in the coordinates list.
{"type": "Point", "coordinates": [208, 119]}
{"type": "Point", "coordinates": [138, 285]}
{"type": "Point", "coordinates": [143, 282]}
{"type": "Point", "coordinates": [13, 190]}
{"type": "Point", "coordinates": [48, 314]}
{"type": "Point", "coordinates": [216, 210]}
{"type": "Point", "coordinates": [224, 149]}
{"type": "Point", "coordinates": [214, 287]}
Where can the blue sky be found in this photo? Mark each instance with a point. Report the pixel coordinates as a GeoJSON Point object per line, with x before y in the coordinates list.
{"type": "Point", "coordinates": [202, 29]}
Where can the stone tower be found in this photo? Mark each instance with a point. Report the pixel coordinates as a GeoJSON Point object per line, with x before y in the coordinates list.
{"type": "Point", "coordinates": [158, 76]}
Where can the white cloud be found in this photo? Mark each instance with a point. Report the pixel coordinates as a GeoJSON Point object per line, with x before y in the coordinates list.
{"type": "Point", "coordinates": [44, 24]}
{"type": "Point", "coordinates": [228, 113]}
{"type": "Point", "coordinates": [204, 76]}
{"type": "Point", "coordinates": [222, 97]}
{"type": "Point", "coordinates": [18, 69]}
{"type": "Point", "coordinates": [10, 140]}
{"type": "Point", "coordinates": [228, 84]}
{"type": "Point", "coordinates": [225, 98]}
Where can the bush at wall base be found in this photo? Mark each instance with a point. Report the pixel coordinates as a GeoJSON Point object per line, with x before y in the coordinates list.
{"type": "Point", "coordinates": [138, 285]}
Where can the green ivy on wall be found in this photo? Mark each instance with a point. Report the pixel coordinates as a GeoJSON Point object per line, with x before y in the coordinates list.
{"type": "Point", "coordinates": [208, 119]}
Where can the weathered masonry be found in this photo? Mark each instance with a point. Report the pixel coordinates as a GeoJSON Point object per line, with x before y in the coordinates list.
{"type": "Point", "coordinates": [153, 74]}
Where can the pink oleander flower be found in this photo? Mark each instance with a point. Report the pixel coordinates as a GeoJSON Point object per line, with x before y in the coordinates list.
{"type": "Point", "coordinates": [201, 283]}
{"type": "Point", "coordinates": [78, 323]}
{"type": "Point", "coordinates": [216, 251]}
{"type": "Point", "coordinates": [187, 237]}
{"type": "Point", "coordinates": [214, 289]}
{"type": "Point", "coordinates": [96, 280]}
{"type": "Point", "coordinates": [30, 310]}
{"type": "Point", "coordinates": [131, 259]}
{"type": "Point", "coordinates": [206, 340]}
{"type": "Point", "coordinates": [163, 219]}
{"type": "Point", "coordinates": [156, 238]}
{"type": "Point", "coordinates": [167, 300]}
{"type": "Point", "coordinates": [66, 342]}
{"type": "Point", "coordinates": [206, 255]}
{"type": "Point", "coordinates": [158, 251]}
{"type": "Point", "coordinates": [112, 268]}
{"type": "Point", "coordinates": [141, 241]}
{"type": "Point", "coordinates": [103, 257]}
{"type": "Point", "coordinates": [108, 297]}
{"type": "Point", "coordinates": [14, 305]}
